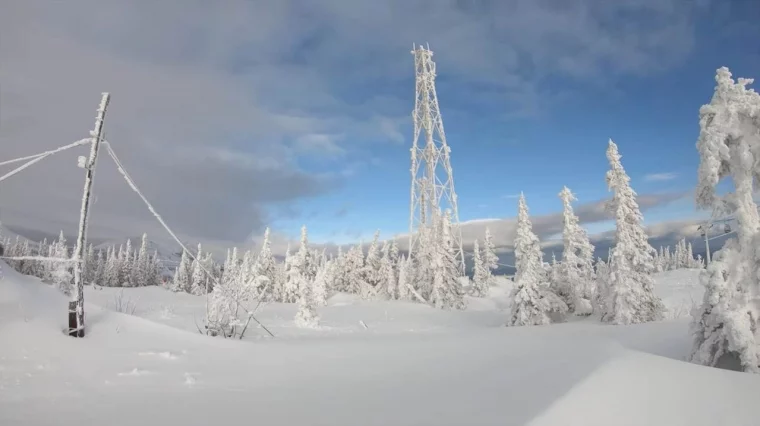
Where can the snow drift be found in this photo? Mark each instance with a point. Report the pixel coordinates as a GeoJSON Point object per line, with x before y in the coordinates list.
{"type": "Point", "coordinates": [473, 370]}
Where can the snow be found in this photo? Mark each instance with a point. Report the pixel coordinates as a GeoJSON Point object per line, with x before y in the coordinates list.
{"type": "Point", "coordinates": [411, 365]}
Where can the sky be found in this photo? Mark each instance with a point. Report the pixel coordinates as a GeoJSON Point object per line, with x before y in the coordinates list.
{"type": "Point", "coordinates": [237, 115]}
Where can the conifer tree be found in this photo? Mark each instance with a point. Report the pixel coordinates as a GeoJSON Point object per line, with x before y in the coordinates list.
{"type": "Point", "coordinates": [576, 272]}
{"type": "Point", "coordinates": [403, 278]}
{"type": "Point", "coordinates": [602, 282]}
{"type": "Point", "coordinates": [100, 268]}
{"type": "Point", "coordinates": [447, 288]}
{"type": "Point", "coordinates": [307, 313]}
{"type": "Point", "coordinates": [266, 267]}
{"type": "Point", "coordinates": [126, 266]}
{"type": "Point", "coordinates": [89, 265]}
{"type": "Point", "coordinates": [725, 327]}
{"type": "Point", "coordinates": [532, 299]}
{"type": "Point", "coordinates": [111, 274]}
{"type": "Point", "coordinates": [480, 274]}
{"type": "Point", "coordinates": [61, 273]}
{"type": "Point", "coordinates": [182, 274]}
{"type": "Point", "coordinates": [29, 266]}
{"type": "Point", "coordinates": [371, 270]}
{"type": "Point", "coordinates": [490, 260]}
{"type": "Point", "coordinates": [141, 270]}
{"type": "Point", "coordinates": [630, 293]}
{"type": "Point", "coordinates": [199, 277]}
{"type": "Point", "coordinates": [321, 282]}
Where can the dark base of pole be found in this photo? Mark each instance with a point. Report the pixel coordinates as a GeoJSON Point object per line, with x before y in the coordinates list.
{"type": "Point", "coordinates": [74, 330]}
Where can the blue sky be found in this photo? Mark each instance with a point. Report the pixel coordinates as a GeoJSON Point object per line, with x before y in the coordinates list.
{"type": "Point", "coordinates": [652, 116]}
{"type": "Point", "coordinates": [242, 114]}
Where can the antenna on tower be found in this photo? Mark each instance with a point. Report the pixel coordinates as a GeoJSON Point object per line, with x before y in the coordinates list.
{"type": "Point", "coordinates": [432, 176]}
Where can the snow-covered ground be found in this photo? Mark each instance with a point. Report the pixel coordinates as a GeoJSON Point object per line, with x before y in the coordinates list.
{"type": "Point", "coordinates": [372, 363]}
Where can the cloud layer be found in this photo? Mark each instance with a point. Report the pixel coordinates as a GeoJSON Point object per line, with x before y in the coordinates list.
{"type": "Point", "coordinates": [216, 106]}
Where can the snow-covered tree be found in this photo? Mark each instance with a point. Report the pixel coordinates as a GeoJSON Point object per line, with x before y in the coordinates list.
{"type": "Point", "coordinates": [480, 273]}
{"type": "Point", "coordinates": [576, 272]}
{"type": "Point", "coordinates": [199, 277]}
{"type": "Point", "coordinates": [61, 272]}
{"type": "Point", "coordinates": [111, 273]}
{"type": "Point", "coordinates": [307, 313]}
{"type": "Point", "coordinates": [267, 267]}
{"type": "Point", "coordinates": [183, 273]}
{"type": "Point", "coordinates": [141, 267]}
{"type": "Point", "coordinates": [100, 268]}
{"type": "Point", "coordinates": [404, 274]}
{"type": "Point", "coordinates": [371, 270]}
{"type": "Point", "coordinates": [630, 293]}
{"type": "Point", "coordinates": [447, 292]}
{"type": "Point", "coordinates": [532, 299]}
{"type": "Point", "coordinates": [353, 273]}
{"type": "Point", "coordinates": [127, 266]}
{"type": "Point", "coordinates": [490, 260]}
{"type": "Point", "coordinates": [325, 275]}
{"type": "Point", "coordinates": [89, 264]}
{"type": "Point", "coordinates": [602, 283]}
{"type": "Point", "coordinates": [291, 284]}
{"type": "Point", "coordinates": [388, 285]}
{"type": "Point", "coordinates": [725, 327]}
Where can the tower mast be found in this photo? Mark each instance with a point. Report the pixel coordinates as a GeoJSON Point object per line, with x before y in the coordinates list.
{"type": "Point", "coordinates": [432, 176]}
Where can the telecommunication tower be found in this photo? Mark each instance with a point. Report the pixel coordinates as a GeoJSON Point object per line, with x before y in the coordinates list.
{"type": "Point", "coordinates": [432, 177]}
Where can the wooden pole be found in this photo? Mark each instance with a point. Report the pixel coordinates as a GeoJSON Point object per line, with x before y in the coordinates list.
{"type": "Point", "coordinates": [76, 304]}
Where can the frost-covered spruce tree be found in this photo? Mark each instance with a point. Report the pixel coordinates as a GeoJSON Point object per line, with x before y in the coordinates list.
{"type": "Point", "coordinates": [447, 290]}
{"type": "Point", "coordinates": [725, 327]}
{"type": "Point", "coordinates": [480, 274]}
{"type": "Point", "coordinates": [386, 288]}
{"type": "Point", "coordinates": [392, 271]}
{"type": "Point", "coordinates": [290, 287]}
{"type": "Point", "coordinates": [89, 264]}
{"type": "Point", "coordinates": [141, 267]}
{"type": "Point", "coordinates": [306, 316]}
{"type": "Point", "coordinates": [182, 274]}
{"type": "Point", "coordinates": [100, 268]}
{"type": "Point", "coordinates": [61, 274]}
{"type": "Point", "coordinates": [267, 267]}
{"type": "Point", "coordinates": [404, 274]}
{"type": "Point", "coordinates": [576, 272]}
{"type": "Point", "coordinates": [371, 271]}
{"type": "Point", "coordinates": [29, 266]}
{"type": "Point", "coordinates": [199, 277]}
{"type": "Point", "coordinates": [490, 260]}
{"type": "Point", "coordinates": [602, 283]}
{"type": "Point", "coordinates": [325, 274]}
{"type": "Point", "coordinates": [111, 273]}
{"type": "Point", "coordinates": [127, 260]}
{"type": "Point", "coordinates": [532, 299]}
{"type": "Point", "coordinates": [353, 270]}
{"type": "Point", "coordinates": [630, 293]}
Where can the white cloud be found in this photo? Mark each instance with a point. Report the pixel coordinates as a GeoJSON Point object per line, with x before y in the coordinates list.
{"type": "Point", "coordinates": [660, 177]}
{"type": "Point", "coordinates": [208, 105]}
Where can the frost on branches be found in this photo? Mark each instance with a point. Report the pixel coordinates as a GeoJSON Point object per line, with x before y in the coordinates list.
{"type": "Point", "coordinates": [306, 316]}
{"type": "Point", "coordinates": [532, 299]}
{"type": "Point", "coordinates": [447, 290]}
{"type": "Point", "coordinates": [630, 297]}
{"type": "Point", "coordinates": [725, 327]}
{"type": "Point", "coordinates": [490, 260]}
{"type": "Point", "coordinates": [480, 274]}
{"type": "Point", "coordinates": [576, 279]}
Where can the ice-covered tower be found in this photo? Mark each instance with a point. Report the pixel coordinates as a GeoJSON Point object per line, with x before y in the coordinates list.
{"type": "Point", "coordinates": [432, 177]}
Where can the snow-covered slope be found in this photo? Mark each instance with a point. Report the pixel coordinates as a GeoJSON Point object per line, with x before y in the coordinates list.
{"type": "Point", "coordinates": [131, 369]}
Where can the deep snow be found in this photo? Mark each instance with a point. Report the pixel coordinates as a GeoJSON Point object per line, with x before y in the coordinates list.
{"type": "Point", "coordinates": [411, 365]}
